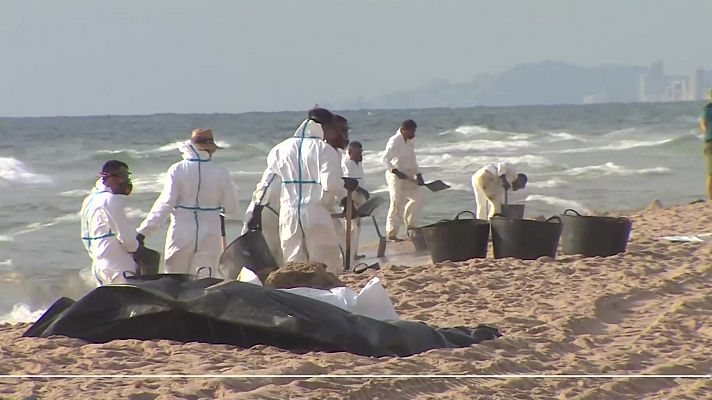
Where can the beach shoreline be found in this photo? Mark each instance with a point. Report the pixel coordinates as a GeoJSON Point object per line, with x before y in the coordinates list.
{"type": "Point", "coordinates": [644, 312]}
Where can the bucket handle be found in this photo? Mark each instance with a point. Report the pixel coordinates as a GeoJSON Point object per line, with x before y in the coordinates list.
{"type": "Point", "coordinates": [457, 217]}
{"type": "Point", "coordinates": [210, 271]}
{"type": "Point", "coordinates": [558, 219]}
{"type": "Point", "coordinates": [572, 210]}
{"type": "Point", "coordinates": [129, 274]}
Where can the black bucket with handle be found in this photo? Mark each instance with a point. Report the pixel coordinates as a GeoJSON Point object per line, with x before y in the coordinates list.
{"type": "Point", "coordinates": [250, 251]}
{"type": "Point", "coordinates": [594, 235]}
{"type": "Point", "coordinates": [513, 210]}
{"type": "Point", "coordinates": [418, 239]}
{"type": "Point", "coordinates": [526, 239]}
{"type": "Point", "coordinates": [459, 239]}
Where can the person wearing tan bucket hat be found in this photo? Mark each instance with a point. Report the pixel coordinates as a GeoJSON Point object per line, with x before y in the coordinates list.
{"type": "Point", "coordinates": [203, 139]}
{"type": "Point", "coordinates": [196, 191]}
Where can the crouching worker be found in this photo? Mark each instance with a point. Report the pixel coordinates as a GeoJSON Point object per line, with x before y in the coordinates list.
{"type": "Point", "coordinates": [490, 183]}
{"type": "Point", "coordinates": [108, 236]}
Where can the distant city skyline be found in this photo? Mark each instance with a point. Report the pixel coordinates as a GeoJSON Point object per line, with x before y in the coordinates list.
{"type": "Point", "coordinates": [84, 57]}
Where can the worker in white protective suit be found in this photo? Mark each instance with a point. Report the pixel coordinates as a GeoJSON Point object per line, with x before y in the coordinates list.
{"type": "Point", "coordinates": [196, 191]}
{"type": "Point", "coordinates": [490, 184]}
{"type": "Point", "coordinates": [352, 165]}
{"type": "Point", "coordinates": [108, 235]}
{"type": "Point", "coordinates": [268, 197]}
{"type": "Point", "coordinates": [403, 178]}
{"type": "Point", "coordinates": [310, 171]}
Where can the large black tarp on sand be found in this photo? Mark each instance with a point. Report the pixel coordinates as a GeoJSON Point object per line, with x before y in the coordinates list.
{"type": "Point", "coordinates": [240, 314]}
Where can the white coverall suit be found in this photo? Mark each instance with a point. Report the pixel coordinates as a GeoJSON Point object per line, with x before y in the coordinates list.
{"type": "Point", "coordinates": [353, 169]}
{"type": "Point", "coordinates": [404, 193]}
{"type": "Point", "coordinates": [311, 175]}
{"type": "Point", "coordinates": [108, 236]}
{"type": "Point", "coordinates": [269, 198]}
{"type": "Point", "coordinates": [195, 192]}
{"type": "Point", "coordinates": [488, 188]}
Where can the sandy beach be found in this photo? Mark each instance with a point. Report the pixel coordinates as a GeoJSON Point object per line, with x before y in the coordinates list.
{"type": "Point", "coordinates": [648, 311]}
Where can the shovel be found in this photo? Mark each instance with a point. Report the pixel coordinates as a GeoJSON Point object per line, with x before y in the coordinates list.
{"type": "Point", "coordinates": [434, 186]}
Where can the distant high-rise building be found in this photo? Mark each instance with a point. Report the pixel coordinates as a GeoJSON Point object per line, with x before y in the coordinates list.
{"type": "Point", "coordinates": [652, 83]}
{"type": "Point", "coordinates": [695, 85]}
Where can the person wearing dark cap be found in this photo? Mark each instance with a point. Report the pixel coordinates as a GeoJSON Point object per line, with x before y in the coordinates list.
{"type": "Point", "coordinates": [403, 177]}
{"type": "Point", "coordinates": [310, 175]}
{"type": "Point", "coordinates": [108, 236]}
{"type": "Point", "coordinates": [196, 191]}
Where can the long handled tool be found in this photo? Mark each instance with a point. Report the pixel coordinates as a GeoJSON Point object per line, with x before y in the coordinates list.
{"type": "Point", "coordinates": [222, 232]}
{"type": "Point", "coordinates": [349, 217]}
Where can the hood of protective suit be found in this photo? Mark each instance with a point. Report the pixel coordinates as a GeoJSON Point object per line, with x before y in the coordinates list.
{"type": "Point", "coordinates": [192, 153]}
{"type": "Point", "coordinates": [313, 130]}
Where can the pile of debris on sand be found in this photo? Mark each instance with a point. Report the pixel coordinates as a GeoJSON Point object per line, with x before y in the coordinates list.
{"type": "Point", "coordinates": [303, 274]}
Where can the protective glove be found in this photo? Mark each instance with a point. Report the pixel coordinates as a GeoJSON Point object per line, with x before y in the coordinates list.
{"type": "Point", "coordinates": [399, 174]}
{"type": "Point", "coordinates": [140, 238]}
{"type": "Point", "coordinates": [350, 184]}
{"type": "Point", "coordinates": [506, 184]}
{"type": "Point", "coordinates": [419, 179]}
{"type": "Point", "coordinates": [255, 222]}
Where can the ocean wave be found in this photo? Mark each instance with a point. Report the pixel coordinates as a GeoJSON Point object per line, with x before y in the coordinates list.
{"type": "Point", "coordinates": [15, 171]}
{"type": "Point", "coordinates": [562, 136]}
{"type": "Point", "coordinates": [135, 213]}
{"type": "Point", "coordinates": [75, 193]}
{"type": "Point", "coordinates": [467, 130]}
{"type": "Point", "coordinates": [620, 145]}
{"type": "Point", "coordinates": [152, 183]}
{"type": "Point", "coordinates": [558, 202]}
{"type": "Point", "coordinates": [545, 184]}
{"type": "Point", "coordinates": [243, 173]}
{"type": "Point", "coordinates": [121, 155]}
{"type": "Point", "coordinates": [35, 226]}
{"type": "Point", "coordinates": [21, 313]}
{"type": "Point", "coordinates": [611, 169]}
{"type": "Point", "coordinates": [624, 131]}
{"type": "Point", "coordinates": [476, 145]}
{"type": "Point", "coordinates": [5, 238]}
{"type": "Point", "coordinates": [449, 163]}
{"type": "Point", "coordinates": [174, 146]}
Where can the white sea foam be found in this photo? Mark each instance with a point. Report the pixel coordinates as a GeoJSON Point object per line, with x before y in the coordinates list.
{"type": "Point", "coordinates": [174, 146]}
{"type": "Point", "coordinates": [467, 130]}
{"type": "Point", "coordinates": [561, 136]}
{"type": "Point", "coordinates": [21, 313]}
{"type": "Point", "coordinates": [135, 213]}
{"type": "Point", "coordinates": [620, 145]}
{"type": "Point", "coordinates": [75, 193]}
{"type": "Point", "coordinates": [149, 182]}
{"type": "Point", "coordinates": [557, 201]}
{"type": "Point", "coordinates": [130, 152]}
{"type": "Point", "coordinates": [476, 145]}
{"type": "Point", "coordinates": [611, 169]}
{"type": "Point", "coordinates": [242, 173]}
{"type": "Point", "coordinates": [7, 264]}
{"type": "Point", "coordinates": [15, 171]}
{"type": "Point", "coordinates": [624, 131]}
{"type": "Point", "coordinates": [4, 238]}
{"type": "Point", "coordinates": [35, 226]}
{"type": "Point", "coordinates": [545, 184]}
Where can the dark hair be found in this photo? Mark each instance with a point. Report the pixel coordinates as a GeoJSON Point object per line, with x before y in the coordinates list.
{"type": "Point", "coordinates": [522, 178]}
{"type": "Point", "coordinates": [356, 144]}
{"type": "Point", "coordinates": [321, 115]}
{"type": "Point", "coordinates": [409, 125]}
{"type": "Point", "coordinates": [113, 166]}
{"type": "Point", "coordinates": [339, 118]}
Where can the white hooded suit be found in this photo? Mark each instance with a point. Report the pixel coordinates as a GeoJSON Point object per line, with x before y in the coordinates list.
{"type": "Point", "coordinates": [404, 193]}
{"type": "Point", "coordinates": [310, 171]}
{"type": "Point", "coordinates": [195, 192]}
{"type": "Point", "coordinates": [488, 188]}
{"type": "Point", "coordinates": [108, 235]}
{"type": "Point", "coordinates": [269, 197]}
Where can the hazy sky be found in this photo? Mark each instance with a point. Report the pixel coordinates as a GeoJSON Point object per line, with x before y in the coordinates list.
{"type": "Point", "coordinates": [71, 57]}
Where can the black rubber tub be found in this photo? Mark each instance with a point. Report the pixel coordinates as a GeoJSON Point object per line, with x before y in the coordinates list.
{"type": "Point", "coordinates": [513, 210]}
{"type": "Point", "coordinates": [525, 239]}
{"type": "Point", "coordinates": [416, 236]}
{"type": "Point", "coordinates": [249, 250]}
{"type": "Point", "coordinates": [594, 235]}
{"type": "Point", "coordinates": [459, 239]}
